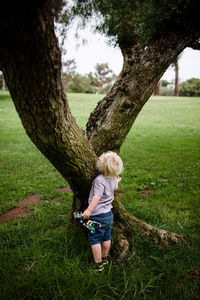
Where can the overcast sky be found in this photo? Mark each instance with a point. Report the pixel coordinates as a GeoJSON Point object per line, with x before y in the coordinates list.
{"type": "Point", "coordinates": [96, 50]}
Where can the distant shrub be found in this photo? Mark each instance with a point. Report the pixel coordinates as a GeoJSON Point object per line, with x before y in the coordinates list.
{"type": "Point", "coordinates": [80, 84]}
{"type": "Point", "coordinates": [190, 88]}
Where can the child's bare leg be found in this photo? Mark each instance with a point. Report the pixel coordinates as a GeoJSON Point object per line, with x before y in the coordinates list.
{"type": "Point", "coordinates": [106, 248]}
{"type": "Point", "coordinates": [96, 250]}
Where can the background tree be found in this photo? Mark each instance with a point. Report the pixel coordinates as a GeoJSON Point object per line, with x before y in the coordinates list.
{"type": "Point", "coordinates": [175, 63]}
{"type": "Point", "coordinates": [100, 80]}
{"type": "Point", "coordinates": [102, 72]}
{"type": "Point", "coordinates": [80, 84]}
{"type": "Point", "coordinates": [69, 67]}
{"type": "Point", "coordinates": [150, 34]}
{"type": "Point", "coordinates": [176, 81]}
{"type": "Point", "coordinates": [68, 71]}
{"type": "Point", "coordinates": [176, 70]}
{"type": "Point", "coordinates": [93, 81]}
{"type": "Point", "coordinates": [164, 83]}
{"type": "Point", "coordinates": [157, 89]}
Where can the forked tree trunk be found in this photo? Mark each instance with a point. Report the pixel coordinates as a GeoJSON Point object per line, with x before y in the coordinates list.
{"type": "Point", "coordinates": [31, 63]}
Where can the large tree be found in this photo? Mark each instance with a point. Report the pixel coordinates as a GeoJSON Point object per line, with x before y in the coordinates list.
{"type": "Point", "coordinates": [30, 59]}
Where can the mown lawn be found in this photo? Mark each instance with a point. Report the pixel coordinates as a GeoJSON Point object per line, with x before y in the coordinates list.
{"type": "Point", "coordinates": [42, 257]}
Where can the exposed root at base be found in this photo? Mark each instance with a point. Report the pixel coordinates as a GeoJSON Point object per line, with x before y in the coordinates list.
{"type": "Point", "coordinates": [126, 224]}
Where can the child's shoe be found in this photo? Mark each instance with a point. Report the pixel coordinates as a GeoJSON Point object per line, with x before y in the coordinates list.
{"type": "Point", "coordinates": [99, 267]}
{"type": "Point", "coordinates": [105, 260]}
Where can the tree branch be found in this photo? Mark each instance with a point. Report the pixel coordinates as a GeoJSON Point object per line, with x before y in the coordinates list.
{"type": "Point", "coordinates": [113, 117]}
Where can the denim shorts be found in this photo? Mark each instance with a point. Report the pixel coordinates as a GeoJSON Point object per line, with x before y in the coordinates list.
{"type": "Point", "coordinates": [102, 234]}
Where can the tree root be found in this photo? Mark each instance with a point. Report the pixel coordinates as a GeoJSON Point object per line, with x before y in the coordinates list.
{"type": "Point", "coordinates": [126, 224]}
{"type": "Point", "coordinates": [121, 248]}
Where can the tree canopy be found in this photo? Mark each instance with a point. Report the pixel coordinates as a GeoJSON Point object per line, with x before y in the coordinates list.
{"type": "Point", "coordinates": [120, 20]}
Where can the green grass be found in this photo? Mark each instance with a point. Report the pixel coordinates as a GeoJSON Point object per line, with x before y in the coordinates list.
{"type": "Point", "coordinates": [42, 257]}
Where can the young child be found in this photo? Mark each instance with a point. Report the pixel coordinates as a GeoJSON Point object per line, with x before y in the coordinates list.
{"type": "Point", "coordinates": [100, 200]}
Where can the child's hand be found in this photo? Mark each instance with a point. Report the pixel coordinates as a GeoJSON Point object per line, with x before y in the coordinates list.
{"type": "Point", "coordinates": [86, 214]}
{"type": "Point", "coordinates": [118, 179]}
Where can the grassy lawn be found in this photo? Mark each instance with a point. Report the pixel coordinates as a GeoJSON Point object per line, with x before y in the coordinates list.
{"type": "Point", "coordinates": [42, 257]}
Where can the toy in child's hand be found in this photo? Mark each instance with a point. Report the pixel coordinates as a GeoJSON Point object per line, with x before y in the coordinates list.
{"type": "Point", "coordinates": [89, 224]}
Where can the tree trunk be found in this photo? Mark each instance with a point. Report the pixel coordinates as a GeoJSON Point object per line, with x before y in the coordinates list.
{"type": "Point", "coordinates": [31, 63]}
{"type": "Point", "coordinates": [157, 89]}
{"type": "Point", "coordinates": [176, 93]}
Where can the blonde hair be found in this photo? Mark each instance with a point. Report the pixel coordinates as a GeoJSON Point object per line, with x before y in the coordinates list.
{"type": "Point", "coordinates": [110, 164]}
